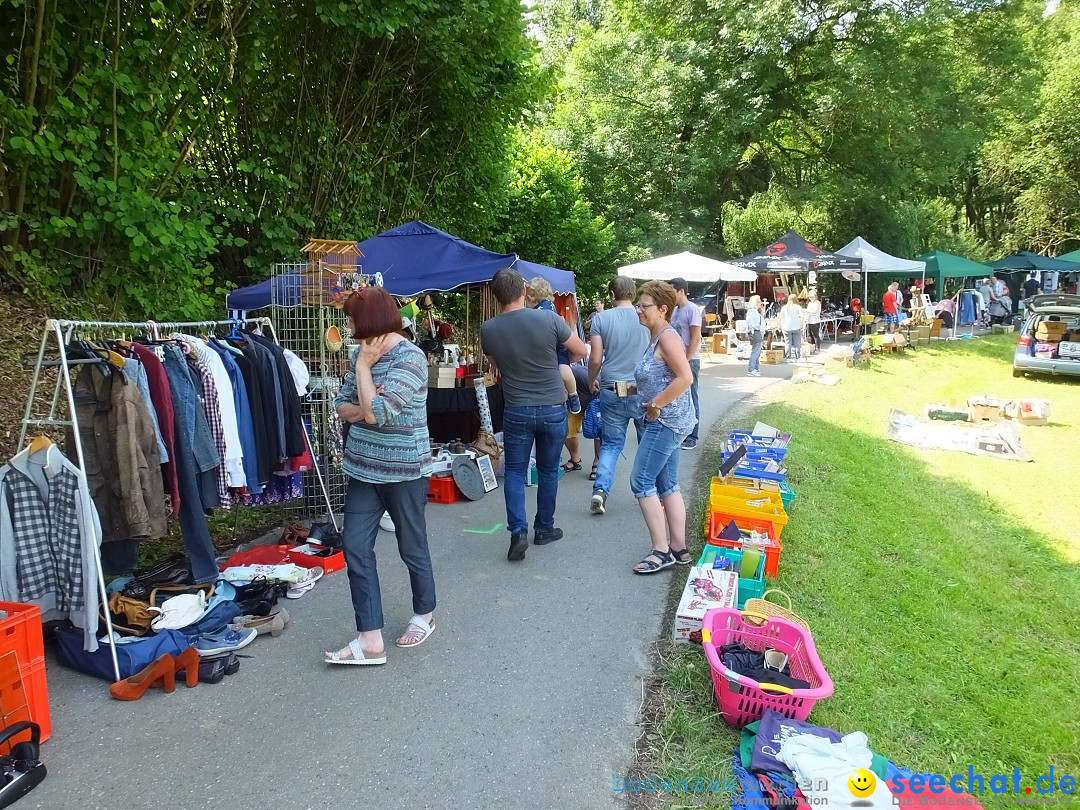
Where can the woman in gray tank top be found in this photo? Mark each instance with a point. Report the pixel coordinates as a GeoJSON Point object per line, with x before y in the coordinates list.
{"type": "Point", "coordinates": [663, 378]}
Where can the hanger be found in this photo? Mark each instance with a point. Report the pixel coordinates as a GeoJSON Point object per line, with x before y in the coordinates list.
{"type": "Point", "coordinates": [39, 443]}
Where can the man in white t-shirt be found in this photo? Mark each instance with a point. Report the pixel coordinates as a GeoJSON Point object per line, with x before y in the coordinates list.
{"type": "Point", "coordinates": [687, 322]}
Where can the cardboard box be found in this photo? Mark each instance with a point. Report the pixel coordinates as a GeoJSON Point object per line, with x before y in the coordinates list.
{"type": "Point", "coordinates": [442, 376]}
{"type": "Point", "coordinates": [1028, 411]}
{"type": "Point", "coordinates": [706, 588]}
{"type": "Point", "coordinates": [1069, 348]}
{"type": "Point", "coordinates": [719, 344]}
{"type": "Point", "coordinates": [772, 357]}
{"type": "Point", "coordinates": [1050, 331]}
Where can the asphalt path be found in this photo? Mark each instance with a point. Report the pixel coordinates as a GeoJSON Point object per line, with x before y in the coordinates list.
{"type": "Point", "coordinates": [526, 695]}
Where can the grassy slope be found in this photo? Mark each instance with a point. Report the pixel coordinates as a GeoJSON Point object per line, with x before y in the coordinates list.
{"type": "Point", "coordinates": [941, 587]}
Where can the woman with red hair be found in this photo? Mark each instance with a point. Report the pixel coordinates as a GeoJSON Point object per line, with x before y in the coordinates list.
{"type": "Point", "coordinates": [388, 464]}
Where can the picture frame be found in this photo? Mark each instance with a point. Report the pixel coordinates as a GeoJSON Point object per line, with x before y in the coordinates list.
{"type": "Point", "coordinates": [487, 472]}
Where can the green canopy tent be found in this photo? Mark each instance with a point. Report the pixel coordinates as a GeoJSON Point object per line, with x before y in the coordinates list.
{"type": "Point", "coordinates": [1070, 257]}
{"type": "Point", "coordinates": [941, 265]}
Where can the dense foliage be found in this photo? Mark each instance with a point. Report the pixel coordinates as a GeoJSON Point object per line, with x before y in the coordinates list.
{"type": "Point", "coordinates": [714, 125]}
{"type": "Point", "coordinates": [155, 151]}
{"type": "Point", "coordinates": [151, 150]}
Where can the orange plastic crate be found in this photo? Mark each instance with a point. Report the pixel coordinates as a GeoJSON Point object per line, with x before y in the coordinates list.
{"type": "Point", "coordinates": [758, 510]}
{"type": "Point", "coordinates": [24, 694]}
{"type": "Point", "coordinates": [443, 490]}
{"type": "Point", "coordinates": [20, 632]}
{"type": "Point", "coordinates": [717, 522]}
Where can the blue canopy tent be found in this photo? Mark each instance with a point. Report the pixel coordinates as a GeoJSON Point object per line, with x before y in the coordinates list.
{"type": "Point", "coordinates": [412, 258]}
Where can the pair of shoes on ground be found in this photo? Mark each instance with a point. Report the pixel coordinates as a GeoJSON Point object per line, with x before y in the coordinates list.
{"type": "Point", "coordinates": [519, 542]}
{"type": "Point", "coordinates": [163, 670]}
{"type": "Point", "coordinates": [358, 656]}
{"type": "Point", "coordinates": [298, 589]}
{"type": "Point", "coordinates": [273, 625]}
{"type": "Point", "coordinates": [753, 374]}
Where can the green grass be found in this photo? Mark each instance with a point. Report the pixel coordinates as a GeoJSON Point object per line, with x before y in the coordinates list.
{"type": "Point", "coordinates": [941, 587]}
{"type": "Point", "coordinates": [228, 529]}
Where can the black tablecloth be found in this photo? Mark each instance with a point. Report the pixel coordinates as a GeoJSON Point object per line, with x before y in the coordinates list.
{"type": "Point", "coordinates": [453, 414]}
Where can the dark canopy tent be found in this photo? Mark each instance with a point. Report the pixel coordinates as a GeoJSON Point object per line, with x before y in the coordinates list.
{"type": "Point", "coordinates": [412, 258]}
{"type": "Point", "coordinates": [792, 252]}
{"type": "Point", "coordinates": [1026, 261]}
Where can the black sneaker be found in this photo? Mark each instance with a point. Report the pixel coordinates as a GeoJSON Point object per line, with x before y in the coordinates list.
{"type": "Point", "coordinates": [519, 542]}
{"type": "Point", "coordinates": [598, 502]}
{"type": "Point", "coordinates": [544, 536]}
{"type": "Point", "coordinates": [573, 402]}
{"type": "Point", "coordinates": [689, 444]}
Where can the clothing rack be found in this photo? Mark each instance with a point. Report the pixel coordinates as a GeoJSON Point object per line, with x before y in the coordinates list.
{"type": "Point", "coordinates": [61, 331]}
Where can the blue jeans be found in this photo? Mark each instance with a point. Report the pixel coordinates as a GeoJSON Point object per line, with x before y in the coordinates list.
{"type": "Point", "coordinates": [524, 425]}
{"type": "Point", "coordinates": [193, 500]}
{"type": "Point", "coordinates": [656, 465]}
{"type": "Point", "coordinates": [615, 414]}
{"type": "Point", "coordinates": [695, 367]}
{"type": "Point", "coordinates": [757, 341]}
{"type": "Point", "coordinates": [364, 506]}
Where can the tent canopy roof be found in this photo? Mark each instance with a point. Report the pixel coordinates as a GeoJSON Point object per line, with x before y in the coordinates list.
{"type": "Point", "coordinates": [412, 258]}
{"type": "Point", "coordinates": [689, 266]}
{"type": "Point", "coordinates": [1025, 260]}
{"type": "Point", "coordinates": [875, 260]}
{"type": "Point", "coordinates": [792, 251]}
{"type": "Point", "coordinates": [949, 265]}
{"type": "Point", "coordinates": [1074, 256]}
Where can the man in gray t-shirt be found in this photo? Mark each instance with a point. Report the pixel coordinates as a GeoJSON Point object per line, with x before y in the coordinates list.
{"type": "Point", "coordinates": [520, 343]}
{"type": "Point", "coordinates": [618, 340]}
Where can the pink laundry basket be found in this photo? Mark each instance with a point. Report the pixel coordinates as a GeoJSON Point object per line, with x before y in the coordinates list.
{"type": "Point", "coordinates": [743, 700]}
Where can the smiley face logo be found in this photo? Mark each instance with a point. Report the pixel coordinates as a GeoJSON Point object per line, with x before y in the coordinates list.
{"type": "Point", "coordinates": [862, 783]}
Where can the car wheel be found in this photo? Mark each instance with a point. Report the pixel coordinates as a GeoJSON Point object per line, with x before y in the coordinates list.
{"type": "Point", "coordinates": [1018, 372]}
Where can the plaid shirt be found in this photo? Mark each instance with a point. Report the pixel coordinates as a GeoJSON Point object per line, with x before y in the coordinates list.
{"type": "Point", "coordinates": [49, 531]}
{"type": "Point", "coordinates": [212, 408]}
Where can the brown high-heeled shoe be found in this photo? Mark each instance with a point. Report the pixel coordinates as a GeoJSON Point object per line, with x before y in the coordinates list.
{"type": "Point", "coordinates": [188, 662]}
{"type": "Point", "coordinates": [133, 688]}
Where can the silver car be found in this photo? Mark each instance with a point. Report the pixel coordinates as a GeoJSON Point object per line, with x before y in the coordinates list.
{"type": "Point", "coordinates": [1058, 309]}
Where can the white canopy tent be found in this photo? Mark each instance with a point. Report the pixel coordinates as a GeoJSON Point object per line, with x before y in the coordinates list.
{"type": "Point", "coordinates": [878, 261]}
{"type": "Point", "coordinates": [689, 266]}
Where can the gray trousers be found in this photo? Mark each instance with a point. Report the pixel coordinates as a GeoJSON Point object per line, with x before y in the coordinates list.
{"type": "Point", "coordinates": [364, 506]}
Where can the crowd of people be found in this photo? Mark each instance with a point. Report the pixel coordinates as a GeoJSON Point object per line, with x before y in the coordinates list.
{"type": "Point", "coordinates": [642, 367]}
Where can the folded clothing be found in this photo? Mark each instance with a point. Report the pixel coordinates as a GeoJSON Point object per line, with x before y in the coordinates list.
{"type": "Point", "coordinates": [751, 664]}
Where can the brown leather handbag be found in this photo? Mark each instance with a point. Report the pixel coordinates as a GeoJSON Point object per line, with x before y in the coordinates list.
{"type": "Point", "coordinates": [130, 615]}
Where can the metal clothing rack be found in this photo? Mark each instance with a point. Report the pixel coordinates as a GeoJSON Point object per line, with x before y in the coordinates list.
{"type": "Point", "coordinates": [61, 331]}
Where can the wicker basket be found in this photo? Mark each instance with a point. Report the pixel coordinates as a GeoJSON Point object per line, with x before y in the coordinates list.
{"type": "Point", "coordinates": [764, 608]}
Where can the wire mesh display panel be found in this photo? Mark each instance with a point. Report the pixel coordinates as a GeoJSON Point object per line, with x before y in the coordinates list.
{"type": "Point", "coordinates": [306, 300]}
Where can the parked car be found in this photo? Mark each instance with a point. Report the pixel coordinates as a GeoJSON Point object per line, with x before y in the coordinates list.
{"type": "Point", "coordinates": [1055, 347]}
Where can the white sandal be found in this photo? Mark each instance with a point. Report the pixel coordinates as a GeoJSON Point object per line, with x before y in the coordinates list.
{"type": "Point", "coordinates": [360, 656]}
{"type": "Point", "coordinates": [425, 628]}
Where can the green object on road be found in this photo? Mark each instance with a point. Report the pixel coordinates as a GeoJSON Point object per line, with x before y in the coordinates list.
{"type": "Point", "coordinates": [492, 530]}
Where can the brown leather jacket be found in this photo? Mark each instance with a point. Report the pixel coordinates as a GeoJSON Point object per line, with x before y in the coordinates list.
{"type": "Point", "coordinates": [121, 461]}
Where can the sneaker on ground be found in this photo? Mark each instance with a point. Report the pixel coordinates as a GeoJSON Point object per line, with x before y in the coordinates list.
{"type": "Point", "coordinates": [225, 641]}
{"type": "Point", "coordinates": [385, 523]}
{"type": "Point", "coordinates": [573, 402]}
{"type": "Point", "coordinates": [599, 502]}
{"type": "Point", "coordinates": [689, 444]}
{"type": "Point", "coordinates": [753, 374]}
